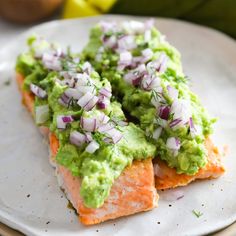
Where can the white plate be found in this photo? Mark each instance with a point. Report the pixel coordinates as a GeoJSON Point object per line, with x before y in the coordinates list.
{"type": "Point", "coordinates": [208, 58]}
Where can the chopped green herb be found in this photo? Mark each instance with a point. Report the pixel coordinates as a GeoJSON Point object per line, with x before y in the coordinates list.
{"type": "Point", "coordinates": [197, 213]}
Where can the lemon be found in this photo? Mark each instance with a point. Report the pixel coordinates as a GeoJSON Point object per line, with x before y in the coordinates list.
{"type": "Point", "coordinates": [103, 5]}
{"type": "Point", "coordinates": [79, 8]}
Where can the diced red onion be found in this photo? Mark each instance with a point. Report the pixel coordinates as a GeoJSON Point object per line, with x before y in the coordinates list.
{"type": "Point", "coordinates": [73, 93]}
{"type": "Point", "coordinates": [135, 76]}
{"type": "Point", "coordinates": [87, 68]}
{"type": "Point", "coordinates": [175, 122]}
{"type": "Point", "coordinates": [63, 120]}
{"type": "Point", "coordinates": [159, 65]}
{"type": "Point", "coordinates": [88, 137]}
{"type": "Point", "coordinates": [77, 138]}
{"type": "Point", "coordinates": [173, 93]}
{"type": "Point", "coordinates": [41, 114]}
{"type": "Point", "coordinates": [147, 54]}
{"type": "Point", "coordinates": [82, 79]}
{"type": "Point", "coordinates": [105, 92]}
{"type": "Point", "coordinates": [88, 101]}
{"type": "Point", "coordinates": [115, 134]}
{"type": "Point", "coordinates": [133, 27]}
{"type": "Point", "coordinates": [125, 58]}
{"type": "Point", "coordinates": [157, 133]}
{"type": "Point", "coordinates": [106, 127]}
{"type": "Point", "coordinates": [36, 90]}
{"type": "Point", "coordinates": [103, 119]}
{"type": "Point", "coordinates": [173, 143]}
{"type": "Point", "coordinates": [92, 147]}
{"type": "Point", "coordinates": [109, 41]}
{"type": "Point", "coordinates": [181, 110]}
{"type": "Point", "coordinates": [88, 124]}
{"type": "Point", "coordinates": [163, 63]}
{"type": "Point", "coordinates": [164, 112]}
{"type": "Point", "coordinates": [194, 129]}
{"type": "Point", "coordinates": [51, 62]}
{"type": "Point", "coordinates": [125, 43]}
{"type": "Point", "coordinates": [85, 89]}
{"type": "Point", "coordinates": [150, 82]}
{"type": "Point", "coordinates": [103, 102]}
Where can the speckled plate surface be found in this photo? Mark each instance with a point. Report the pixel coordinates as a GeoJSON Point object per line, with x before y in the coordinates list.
{"type": "Point", "coordinates": [30, 199]}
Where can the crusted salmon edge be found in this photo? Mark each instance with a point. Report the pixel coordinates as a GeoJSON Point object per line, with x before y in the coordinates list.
{"type": "Point", "coordinates": [55, 166]}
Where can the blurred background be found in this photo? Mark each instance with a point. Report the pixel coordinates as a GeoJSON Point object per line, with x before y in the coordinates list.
{"type": "Point", "coordinates": [18, 15]}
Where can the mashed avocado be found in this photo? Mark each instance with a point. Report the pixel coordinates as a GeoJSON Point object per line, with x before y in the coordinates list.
{"type": "Point", "coordinates": [147, 78]}
{"type": "Point", "coordinates": [96, 142]}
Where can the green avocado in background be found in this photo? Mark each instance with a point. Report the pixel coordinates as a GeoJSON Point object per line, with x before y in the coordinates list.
{"type": "Point", "coordinates": [219, 14]}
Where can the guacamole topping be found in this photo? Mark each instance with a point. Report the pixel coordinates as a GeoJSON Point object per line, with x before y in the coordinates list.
{"type": "Point", "coordinates": [146, 75]}
{"type": "Point", "coordinates": [96, 141]}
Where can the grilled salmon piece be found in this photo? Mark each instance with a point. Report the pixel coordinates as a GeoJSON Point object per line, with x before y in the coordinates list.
{"type": "Point", "coordinates": [134, 191]}
{"type": "Point", "coordinates": [27, 97]}
{"type": "Point", "coordinates": [166, 177]}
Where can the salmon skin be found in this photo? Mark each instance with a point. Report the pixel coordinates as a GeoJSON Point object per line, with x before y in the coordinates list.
{"type": "Point", "coordinates": [166, 177]}
{"type": "Point", "coordinates": [134, 190]}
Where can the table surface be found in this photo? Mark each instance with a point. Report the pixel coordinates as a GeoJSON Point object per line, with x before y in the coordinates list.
{"type": "Point", "coordinates": [7, 33]}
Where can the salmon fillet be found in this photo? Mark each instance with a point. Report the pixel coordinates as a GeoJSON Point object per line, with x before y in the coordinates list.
{"type": "Point", "coordinates": [132, 192]}
{"type": "Point", "coordinates": [166, 177]}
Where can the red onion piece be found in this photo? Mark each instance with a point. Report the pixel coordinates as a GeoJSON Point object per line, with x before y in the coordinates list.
{"type": "Point", "coordinates": [159, 65]}
{"type": "Point", "coordinates": [133, 27]}
{"type": "Point", "coordinates": [51, 62]}
{"type": "Point", "coordinates": [77, 138]}
{"type": "Point", "coordinates": [88, 124]}
{"type": "Point", "coordinates": [109, 41]}
{"type": "Point", "coordinates": [88, 137]}
{"type": "Point", "coordinates": [173, 93]}
{"type": "Point", "coordinates": [194, 129]}
{"type": "Point", "coordinates": [181, 110]}
{"type": "Point", "coordinates": [147, 54]}
{"type": "Point", "coordinates": [115, 135]}
{"type": "Point", "coordinates": [164, 112]}
{"type": "Point", "coordinates": [126, 43]}
{"type": "Point", "coordinates": [103, 119]}
{"type": "Point", "coordinates": [88, 101]}
{"type": "Point", "coordinates": [106, 127]}
{"type": "Point", "coordinates": [86, 89]}
{"type": "Point", "coordinates": [105, 92]}
{"type": "Point", "coordinates": [92, 147]}
{"type": "Point", "coordinates": [63, 120]}
{"type": "Point", "coordinates": [73, 93]}
{"type": "Point", "coordinates": [175, 122]}
{"type": "Point", "coordinates": [150, 82]}
{"type": "Point", "coordinates": [87, 68]}
{"type": "Point", "coordinates": [125, 58]}
{"type": "Point", "coordinates": [173, 143]}
{"type": "Point", "coordinates": [36, 90]}
{"type": "Point", "coordinates": [135, 76]}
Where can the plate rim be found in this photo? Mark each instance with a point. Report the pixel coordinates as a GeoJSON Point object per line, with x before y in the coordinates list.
{"type": "Point", "coordinates": [7, 218]}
